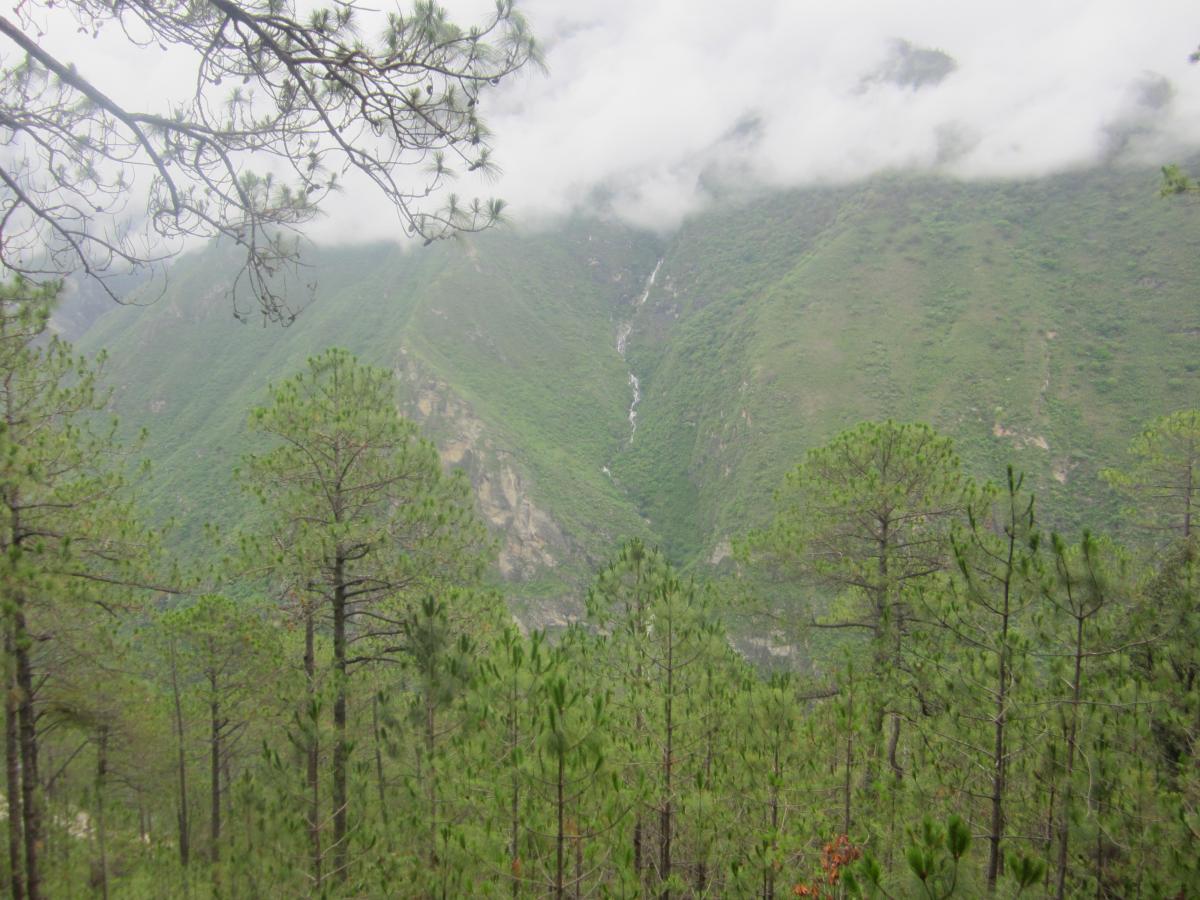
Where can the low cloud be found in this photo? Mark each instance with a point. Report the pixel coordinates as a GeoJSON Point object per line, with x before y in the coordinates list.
{"type": "Point", "coordinates": [652, 107]}
{"type": "Point", "coordinates": [650, 104]}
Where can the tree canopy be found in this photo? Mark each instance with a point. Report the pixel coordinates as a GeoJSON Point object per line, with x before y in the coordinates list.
{"type": "Point", "coordinates": [1162, 480]}
{"type": "Point", "coordinates": [283, 105]}
{"type": "Point", "coordinates": [361, 519]}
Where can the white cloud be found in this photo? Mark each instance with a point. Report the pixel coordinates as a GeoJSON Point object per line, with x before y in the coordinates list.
{"type": "Point", "coordinates": [640, 94]}
{"type": "Point", "coordinates": [648, 101]}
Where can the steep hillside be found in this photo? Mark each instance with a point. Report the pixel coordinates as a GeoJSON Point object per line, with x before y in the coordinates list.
{"type": "Point", "coordinates": [506, 349]}
{"type": "Point", "coordinates": [1039, 322]}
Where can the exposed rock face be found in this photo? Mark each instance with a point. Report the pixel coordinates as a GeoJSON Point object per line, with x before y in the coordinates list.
{"type": "Point", "coordinates": [1020, 439]}
{"type": "Point", "coordinates": [722, 551]}
{"type": "Point", "coordinates": [530, 539]}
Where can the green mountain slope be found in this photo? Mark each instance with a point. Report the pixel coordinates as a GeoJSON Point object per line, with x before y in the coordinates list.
{"type": "Point", "coordinates": [504, 346]}
{"type": "Point", "coordinates": [1040, 323]}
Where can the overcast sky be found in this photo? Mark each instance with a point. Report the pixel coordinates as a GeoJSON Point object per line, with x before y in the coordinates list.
{"type": "Point", "coordinates": [651, 105]}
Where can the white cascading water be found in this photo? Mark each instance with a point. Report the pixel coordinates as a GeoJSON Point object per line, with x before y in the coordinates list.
{"type": "Point", "coordinates": [623, 331]}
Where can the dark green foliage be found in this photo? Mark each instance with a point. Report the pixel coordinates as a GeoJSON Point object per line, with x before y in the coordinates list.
{"type": "Point", "coordinates": [935, 853]}
{"type": "Point", "coordinates": [641, 756]}
{"type": "Point", "coordinates": [376, 725]}
{"type": "Point", "coordinates": [1026, 871]}
{"type": "Point", "coordinates": [1162, 481]}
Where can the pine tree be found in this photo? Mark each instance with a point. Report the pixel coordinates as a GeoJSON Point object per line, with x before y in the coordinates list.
{"type": "Point", "coordinates": [69, 539]}
{"type": "Point", "coordinates": [569, 768]}
{"type": "Point", "coordinates": [442, 660]}
{"type": "Point", "coordinates": [868, 516]}
{"type": "Point", "coordinates": [223, 655]}
{"type": "Point", "coordinates": [984, 652]}
{"type": "Point", "coordinates": [1084, 595]}
{"type": "Point", "coordinates": [619, 605]}
{"type": "Point", "coordinates": [1162, 481]}
{"type": "Point", "coordinates": [361, 522]}
{"type": "Point", "coordinates": [664, 638]}
{"type": "Point", "coordinates": [506, 718]}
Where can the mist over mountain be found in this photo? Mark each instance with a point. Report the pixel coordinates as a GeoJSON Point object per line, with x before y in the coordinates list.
{"type": "Point", "coordinates": [644, 111]}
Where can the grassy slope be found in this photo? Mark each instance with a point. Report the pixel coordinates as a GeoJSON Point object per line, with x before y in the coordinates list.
{"type": "Point", "coordinates": [527, 336]}
{"type": "Point", "coordinates": [1007, 315]}
{"type": "Point", "coordinates": [490, 318]}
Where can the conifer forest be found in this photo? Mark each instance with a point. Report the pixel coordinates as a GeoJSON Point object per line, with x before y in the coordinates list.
{"type": "Point", "coordinates": [829, 533]}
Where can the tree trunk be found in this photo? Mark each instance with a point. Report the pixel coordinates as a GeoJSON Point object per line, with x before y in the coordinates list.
{"type": "Point", "coordinates": [30, 801]}
{"type": "Point", "coordinates": [101, 825]}
{"type": "Point", "coordinates": [578, 864]}
{"type": "Point", "coordinates": [12, 767]}
{"type": "Point", "coordinates": [1068, 788]}
{"type": "Point", "coordinates": [559, 838]}
{"type": "Point", "coordinates": [214, 741]}
{"type": "Point", "coordinates": [514, 822]}
{"type": "Point", "coordinates": [998, 779]}
{"type": "Point", "coordinates": [312, 752]}
{"type": "Point", "coordinates": [849, 763]}
{"type": "Point", "coordinates": [881, 657]}
{"type": "Point", "coordinates": [181, 767]}
{"type": "Point", "coordinates": [341, 749]}
{"type": "Point", "coordinates": [637, 847]}
{"type": "Point", "coordinates": [1049, 842]}
{"type": "Point", "coordinates": [999, 761]}
{"type": "Point", "coordinates": [706, 845]}
{"type": "Point", "coordinates": [143, 820]}
{"type": "Point", "coordinates": [639, 722]}
{"type": "Point", "coordinates": [383, 804]}
{"type": "Point", "coordinates": [514, 837]}
{"type": "Point", "coordinates": [431, 794]}
{"type": "Point", "coordinates": [893, 744]}
{"type": "Point", "coordinates": [664, 818]}
{"type": "Point", "coordinates": [776, 772]}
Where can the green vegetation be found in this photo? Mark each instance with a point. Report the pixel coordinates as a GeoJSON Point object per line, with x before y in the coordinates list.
{"type": "Point", "coordinates": [70, 547]}
{"type": "Point", "coordinates": [504, 349]}
{"type": "Point", "coordinates": [970, 692]}
{"type": "Point", "coordinates": [1039, 322]}
{"type": "Point", "coordinates": [367, 724]}
{"type": "Point", "coordinates": [359, 519]}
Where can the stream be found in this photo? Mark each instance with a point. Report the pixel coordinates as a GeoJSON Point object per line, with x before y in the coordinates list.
{"type": "Point", "coordinates": [623, 332]}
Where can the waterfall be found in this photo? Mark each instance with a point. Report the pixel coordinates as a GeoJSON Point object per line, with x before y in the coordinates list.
{"type": "Point", "coordinates": [623, 332]}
